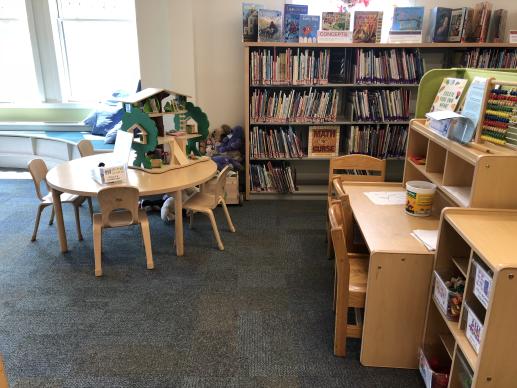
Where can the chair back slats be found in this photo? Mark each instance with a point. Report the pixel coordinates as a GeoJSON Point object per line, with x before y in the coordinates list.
{"type": "Point", "coordinates": [114, 199]}
{"type": "Point", "coordinates": [85, 148]}
{"type": "Point", "coordinates": [338, 239]}
{"type": "Point", "coordinates": [342, 166]}
{"type": "Point", "coordinates": [221, 182]}
{"type": "Point", "coordinates": [38, 170]}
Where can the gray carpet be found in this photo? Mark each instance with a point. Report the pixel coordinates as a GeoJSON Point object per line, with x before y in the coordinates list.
{"type": "Point", "coordinates": [257, 314]}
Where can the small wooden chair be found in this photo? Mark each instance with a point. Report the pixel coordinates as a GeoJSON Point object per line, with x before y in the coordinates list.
{"type": "Point", "coordinates": [85, 148]}
{"type": "Point", "coordinates": [344, 168]}
{"type": "Point", "coordinates": [38, 170]}
{"type": "Point", "coordinates": [119, 207]}
{"type": "Point", "coordinates": [352, 277]}
{"type": "Point", "coordinates": [210, 196]}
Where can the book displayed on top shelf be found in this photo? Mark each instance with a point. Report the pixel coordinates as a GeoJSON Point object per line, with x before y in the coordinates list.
{"type": "Point", "coordinates": [449, 94]}
{"type": "Point", "coordinates": [323, 141]}
{"type": "Point", "coordinates": [292, 14]}
{"type": "Point", "coordinates": [478, 20]}
{"type": "Point", "coordinates": [439, 24]}
{"type": "Point", "coordinates": [269, 25]}
{"type": "Point", "coordinates": [458, 18]}
{"type": "Point", "coordinates": [497, 27]}
{"type": "Point", "coordinates": [367, 26]}
{"type": "Point", "coordinates": [407, 25]}
{"type": "Point", "coordinates": [250, 21]}
{"type": "Point", "coordinates": [337, 21]}
{"type": "Point", "coordinates": [309, 26]}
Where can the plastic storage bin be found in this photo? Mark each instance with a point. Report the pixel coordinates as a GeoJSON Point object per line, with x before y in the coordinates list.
{"type": "Point", "coordinates": [434, 373]}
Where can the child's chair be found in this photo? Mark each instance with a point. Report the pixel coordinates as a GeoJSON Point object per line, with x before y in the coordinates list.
{"type": "Point", "coordinates": [210, 196]}
{"type": "Point", "coordinates": [85, 148]}
{"type": "Point", "coordinates": [38, 170]}
{"type": "Point", "coordinates": [119, 207]}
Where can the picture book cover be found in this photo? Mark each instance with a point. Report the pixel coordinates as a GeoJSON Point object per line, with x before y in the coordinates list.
{"type": "Point", "coordinates": [269, 25]}
{"type": "Point", "coordinates": [292, 14]}
{"type": "Point", "coordinates": [250, 21]}
{"type": "Point", "coordinates": [367, 26]}
{"type": "Point", "coordinates": [440, 22]}
{"type": "Point", "coordinates": [309, 26]}
{"type": "Point", "coordinates": [497, 26]}
{"type": "Point", "coordinates": [323, 140]}
{"type": "Point", "coordinates": [479, 21]}
{"type": "Point", "coordinates": [458, 18]}
{"type": "Point", "coordinates": [449, 94]}
{"type": "Point", "coordinates": [407, 19]}
{"type": "Point", "coordinates": [338, 21]}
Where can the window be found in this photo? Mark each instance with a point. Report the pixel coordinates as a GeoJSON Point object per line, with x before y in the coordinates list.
{"type": "Point", "coordinates": [68, 50]}
{"type": "Point", "coordinates": [17, 72]}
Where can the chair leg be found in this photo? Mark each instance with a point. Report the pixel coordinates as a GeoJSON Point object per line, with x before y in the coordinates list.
{"type": "Point", "coordinates": [90, 206]}
{"type": "Point", "coordinates": [146, 235]}
{"type": "Point", "coordinates": [191, 222]}
{"type": "Point", "coordinates": [97, 248]}
{"type": "Point", "coordinates": [51, 221]}
{"type": "Point", "coordinates": [78, 222]}
{"type": "Point", "coordinates": [36, 223]}
{"type": "Point", "coordinates": [227, 214]}
{"type": "Point", "coordinates": [341, 321]}
{"type": "Point", "coordinates": [210, 214]}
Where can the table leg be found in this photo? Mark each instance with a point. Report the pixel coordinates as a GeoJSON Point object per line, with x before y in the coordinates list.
{"type": "Point", "coordinates": [56, 199]}
{"type": "Point", "coordinates": [178, 220]}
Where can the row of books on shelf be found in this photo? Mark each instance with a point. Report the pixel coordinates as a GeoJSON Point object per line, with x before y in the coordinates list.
{"type": "Point", "coordinates": [272, 66]}
{"type": "Point", "coordinates": [275, 143]}
{"type": "Point", "coordinates": [478, 24]}
{"type": "Point", "coordinates": [294, 106]}
{"type": "Point", "coordinates": [490, 58]}
{"type": "Point", "coordinates": [380, 141]}
{"type": "Point", "coordinates": [280, 178]}
{"type": "Point", "coordinates": [289, 67]}
{"type": "Point", "coordinates": [380, 104]}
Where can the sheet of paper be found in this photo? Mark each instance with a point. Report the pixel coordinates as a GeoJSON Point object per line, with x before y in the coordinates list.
{"type": "Point", "coordinates": [122, 147]}
{"type": "Point", "coordinates": [427, 237]}
{"type": "Point", "coordinates": [387, 197]}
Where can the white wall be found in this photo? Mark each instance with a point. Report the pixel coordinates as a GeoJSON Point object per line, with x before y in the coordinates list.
{"type": "Point", "coordinates": [195, 47]}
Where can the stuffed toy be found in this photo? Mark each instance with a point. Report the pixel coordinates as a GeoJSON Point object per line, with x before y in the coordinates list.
{"type": "Point", "coordinates": [228, 151]}
{"type": "Point", "coordinates": [167, 211]}
{"type": "Point", "coordinates": [214, 139]}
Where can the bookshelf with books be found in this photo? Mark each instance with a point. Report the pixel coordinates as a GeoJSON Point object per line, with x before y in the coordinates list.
{"type": "Point", "coordinates": [368, 90]}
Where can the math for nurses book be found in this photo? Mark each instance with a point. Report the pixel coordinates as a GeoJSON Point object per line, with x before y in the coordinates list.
{"type": "Point", "coordinates": [323, 141]}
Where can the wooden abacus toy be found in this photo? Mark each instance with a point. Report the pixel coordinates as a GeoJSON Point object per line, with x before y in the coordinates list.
{"type": "Point", "coordinates": [499, 120]}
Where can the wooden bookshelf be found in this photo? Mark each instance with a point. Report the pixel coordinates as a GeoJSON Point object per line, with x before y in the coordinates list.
{"type": "Point", "coordinates": [482, 240]}
{"type": "Point", "coordinates": [436, 55]}
{"type": "Point", "coordinates": [467, 176]}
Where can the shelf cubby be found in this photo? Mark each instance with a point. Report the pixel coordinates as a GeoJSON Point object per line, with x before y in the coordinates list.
{"type": "Point", "coordinates": [435, 162]}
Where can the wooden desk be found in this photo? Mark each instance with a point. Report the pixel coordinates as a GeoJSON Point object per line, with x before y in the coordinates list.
{"type": "Point", "coordinates": [399, 277]}
{"type": "Point", "coordinates": [75, 177]}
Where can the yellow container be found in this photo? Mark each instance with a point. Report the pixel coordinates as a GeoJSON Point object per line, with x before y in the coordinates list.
{"type": "Point", "coordinates": [419, 198]}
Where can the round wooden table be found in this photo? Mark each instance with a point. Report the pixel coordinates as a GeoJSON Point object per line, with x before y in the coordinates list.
{"type": "Point", "coordinates": [75, 177]}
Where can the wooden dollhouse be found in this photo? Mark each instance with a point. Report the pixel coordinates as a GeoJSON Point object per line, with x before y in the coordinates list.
{"type": "Point", "coordinates": [156, 149]}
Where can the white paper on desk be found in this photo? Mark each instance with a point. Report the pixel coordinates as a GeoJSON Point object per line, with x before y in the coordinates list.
{"type": "Point", "coordinates": [387, 197]}
{"type": "Point", "coordinates": [427, 237]}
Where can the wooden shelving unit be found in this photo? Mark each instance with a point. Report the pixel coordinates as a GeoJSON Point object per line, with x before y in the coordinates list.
{"type": "Point", "coordinates": [466, 176]}
{"type": "Point", "coordinates": [470, 239]}
{"type": "Point", "coordinates": [440, 55]}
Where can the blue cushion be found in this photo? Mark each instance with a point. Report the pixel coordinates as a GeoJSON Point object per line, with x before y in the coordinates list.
{"type": "Point", "coordinates": [111, 136]}
{"type": "Point", "coordinates": [108, 114]}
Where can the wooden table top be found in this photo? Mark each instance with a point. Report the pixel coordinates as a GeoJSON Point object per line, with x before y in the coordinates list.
{"type": "Point", "coordinates": [75, 177]}
{"type": "Point", "coordinates": [387, 228]}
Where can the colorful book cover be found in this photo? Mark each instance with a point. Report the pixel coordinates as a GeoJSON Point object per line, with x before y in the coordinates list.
{"type": "Point", "coordinates": [269, 25]}
{"type": "Point", "coordinates": [449, 94]}
{"type": "Point", "coordinates": [292, 14]}
{"type": "Point", "coordinates": [338, 21]}
{"type": "Point", "coordinates": [440, 22]}
{"type": "Point", "coordinates": [323, 140]}
{"type": "Point", "coordinates": [250, 21]}
{"type": "Point", "coordinates": [458, 18]}
{"type": "Point", "coordinates": [367, 26]}
{"type": "Point", "coordinates": [309, 26]}
{"type": "Point", "coordinates": [407, 19]}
